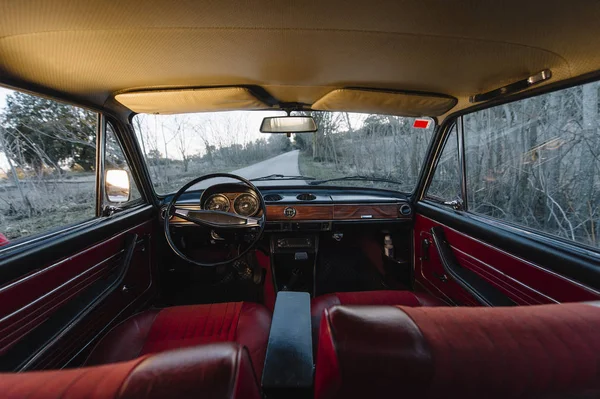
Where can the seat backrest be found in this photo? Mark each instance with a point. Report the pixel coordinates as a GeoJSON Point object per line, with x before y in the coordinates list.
{"type": "Point", "coordinates": [220, 370]}
{"type": "Point", "coordinates": [548, 351]}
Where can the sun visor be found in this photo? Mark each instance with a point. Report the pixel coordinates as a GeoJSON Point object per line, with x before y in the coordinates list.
{"type": "Point", "coordinates": [179, 101]}
{"type": "Point", "coordinates": [385, 102]}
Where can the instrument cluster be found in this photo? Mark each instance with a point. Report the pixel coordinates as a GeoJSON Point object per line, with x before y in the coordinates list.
{"type": "Point", "coordinates": [243, 203]}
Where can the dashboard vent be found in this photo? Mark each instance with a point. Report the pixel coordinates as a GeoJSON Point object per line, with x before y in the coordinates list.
{"type": "Point", "coordinates": [273, 197]}
{"type": "Point", "coordinates": [405, 210]}
{"type": "Point", "coordinates": [306, 197]}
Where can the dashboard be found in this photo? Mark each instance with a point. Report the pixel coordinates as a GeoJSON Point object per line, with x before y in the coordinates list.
{"type": "Point", "coordinates": [299, 208]}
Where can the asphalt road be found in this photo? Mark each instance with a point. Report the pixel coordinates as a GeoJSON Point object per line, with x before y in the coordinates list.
{"type": "Point", "coordinates": [284, 164]}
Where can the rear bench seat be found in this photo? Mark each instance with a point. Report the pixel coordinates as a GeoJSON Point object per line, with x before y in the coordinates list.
{"type": "Point", "coordinates": [384, 297]}
{"type": "Point", "coordinates": [548, 351]}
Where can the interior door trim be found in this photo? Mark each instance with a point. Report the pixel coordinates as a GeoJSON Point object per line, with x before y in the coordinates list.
{"type": "Point", "coordinates": [81, 303]}
{"type": "Point", "coordinates": [572, 266]}
{"type": "Point", "coordinates": [484, 292]}
{"type": "Point", "coordinates": [35, 255]}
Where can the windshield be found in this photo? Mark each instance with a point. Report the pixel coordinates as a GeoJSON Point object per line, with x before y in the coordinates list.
{"type": "Point", "coordinates": [349, 149]}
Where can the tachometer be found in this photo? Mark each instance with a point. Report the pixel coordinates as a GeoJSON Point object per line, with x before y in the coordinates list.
{"type": "Point", "coordinates": [246, 204]}
{"type": "Point", "coordinates": [217, 202]}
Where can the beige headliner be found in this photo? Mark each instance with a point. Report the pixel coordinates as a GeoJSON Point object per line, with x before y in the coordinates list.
{"type": "Point", "coordinates": [297, 50]}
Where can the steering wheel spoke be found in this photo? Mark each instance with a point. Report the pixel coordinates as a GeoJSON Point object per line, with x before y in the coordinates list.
{"type": "Point", "coordinates": [217, 219]}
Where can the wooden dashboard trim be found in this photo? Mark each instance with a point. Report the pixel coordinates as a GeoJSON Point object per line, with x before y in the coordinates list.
{"type": "Point", "coordinates": [275, 213]}
{"type": "Point", "coordinates": [365, 211]}
{"type": "Point", "coordinates": [325, 212]}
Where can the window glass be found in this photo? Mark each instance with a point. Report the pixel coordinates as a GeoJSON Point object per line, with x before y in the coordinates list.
{"type": "Point", "coordinates": [354, 149]}
{"type": "Point", "coordinates": [115, 159]}
{"type": "Point", "coordinates": [445, 184]}
{"type": "Point", "coordinates": [536, 163]}
{"type": "Point", "coordinates": [47, 164]}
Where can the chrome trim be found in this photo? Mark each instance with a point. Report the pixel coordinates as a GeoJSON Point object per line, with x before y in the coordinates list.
{"type": "Point", "coordinates": [539, 77]}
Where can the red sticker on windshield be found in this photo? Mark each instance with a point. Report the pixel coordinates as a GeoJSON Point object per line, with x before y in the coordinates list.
{"type": "Point", "coordinates": [421, 123]}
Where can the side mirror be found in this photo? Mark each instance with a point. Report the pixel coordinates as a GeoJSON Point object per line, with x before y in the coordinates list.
{"type": "Point", "coordinates": [288, 124]}
{"type": "Point", "coordinates": [117, 186]}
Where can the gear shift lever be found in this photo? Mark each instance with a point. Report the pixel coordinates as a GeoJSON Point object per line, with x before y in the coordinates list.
{"type": "Point", "coordinates": [296, 273]}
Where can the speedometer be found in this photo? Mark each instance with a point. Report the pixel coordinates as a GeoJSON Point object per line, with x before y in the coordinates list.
{"type": "Point", "coordinates": [246, 204]}
{"type": "Point", "coordinates": [217, 202]}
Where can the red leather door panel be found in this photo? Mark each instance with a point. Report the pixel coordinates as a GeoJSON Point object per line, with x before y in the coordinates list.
{"type": "Point", "coordinates": [524, 282]}
{"type": "Point", "coordinates": [89, 282]}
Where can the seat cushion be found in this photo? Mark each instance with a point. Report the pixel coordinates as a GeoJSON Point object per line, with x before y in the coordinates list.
{"type": "Point", "coordinates": [220, 370]}
{"type": "Point", "coordinates": [159, 330]}
{"type": "Point", "coordinates": [534, 351]}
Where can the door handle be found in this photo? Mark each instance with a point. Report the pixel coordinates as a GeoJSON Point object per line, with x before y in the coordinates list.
{"type": "Point", "coordinates": [442, 277]}
{"type": "Point", "coordinates": [425, 244]}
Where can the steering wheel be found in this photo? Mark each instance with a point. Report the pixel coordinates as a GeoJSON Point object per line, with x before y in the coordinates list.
{"type": "Point", "coordinates": [253, 226]}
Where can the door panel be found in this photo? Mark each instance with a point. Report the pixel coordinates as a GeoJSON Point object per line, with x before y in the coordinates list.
{"type": "Point", "coordinates": [520, 279]}
{"type": "Point", "coordinates": [50, 314]}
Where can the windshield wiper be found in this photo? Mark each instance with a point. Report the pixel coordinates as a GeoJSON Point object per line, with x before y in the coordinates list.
{"type": "Point", "coordinates": [282, 177]}
{"type": "Point", "coordinates": [355, 178]}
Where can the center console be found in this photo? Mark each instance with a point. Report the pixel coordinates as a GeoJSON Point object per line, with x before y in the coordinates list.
{"type": "Point", "coordinates": [294, 258]}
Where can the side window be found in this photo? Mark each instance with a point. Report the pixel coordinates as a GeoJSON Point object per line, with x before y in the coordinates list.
{"type": "Point", "coordinates": [445, 184]}
{"type": "Point", "coordinates": [536, 163]}
{"type": "Point", "coordinates": [47, 165]}
{"type": "Point", "coordinates": [114, 158]}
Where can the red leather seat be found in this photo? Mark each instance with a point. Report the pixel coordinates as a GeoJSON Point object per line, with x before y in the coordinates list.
{"type": "Point", "coordinates": [402, 298]}
{"type": "Point", "coordinates": [515, 352]}
{"type": "Point", "coordinates": [159, 330]}
{"type": "Point", "coordinates": [220, 370]}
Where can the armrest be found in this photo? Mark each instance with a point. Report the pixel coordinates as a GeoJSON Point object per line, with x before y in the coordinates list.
{"type": "Point", "coordinates": [289, 360]}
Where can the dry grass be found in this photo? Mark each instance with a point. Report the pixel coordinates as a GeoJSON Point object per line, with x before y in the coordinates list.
{"type": "Point", "coordinates": [46, 204]}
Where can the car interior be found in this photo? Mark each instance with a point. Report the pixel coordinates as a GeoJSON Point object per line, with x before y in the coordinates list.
{"type": "Point", "coordinates": [336, 199]}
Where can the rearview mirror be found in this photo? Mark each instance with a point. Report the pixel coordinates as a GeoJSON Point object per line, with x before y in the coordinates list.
{"type": "Point", "coordinates": [117, 185]}
{"type": "Point", "coordinates": [288, 124]}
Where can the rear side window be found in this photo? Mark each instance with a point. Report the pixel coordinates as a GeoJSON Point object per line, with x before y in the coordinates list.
{"type": "Point", "coordinates": [536, 163]}
{"type": "Point", "coordinates": [47, 165]}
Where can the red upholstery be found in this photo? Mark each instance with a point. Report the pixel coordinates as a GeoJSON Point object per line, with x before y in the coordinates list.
{"type": "Point", "coordinates": [212, 371]}
{"type": "Point", "coordinates": [403, 298]}
{"type": "Point", "coordinates": [184, 326]}
{"type": "Point", "coordinates": [269, 293]}
{"type": "Point", "coordinates": [524, 352]}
